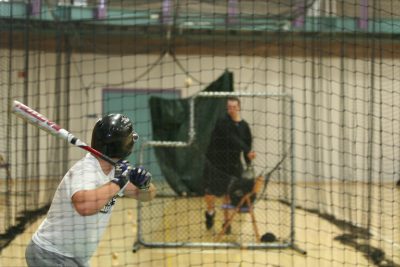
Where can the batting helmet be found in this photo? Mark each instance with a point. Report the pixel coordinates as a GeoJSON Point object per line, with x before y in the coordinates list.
{"type": "Point", "coordinates": [113, 135]}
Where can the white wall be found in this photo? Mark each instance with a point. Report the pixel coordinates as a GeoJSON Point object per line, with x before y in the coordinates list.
{"type": "Point", "coordinates": [319, 115]}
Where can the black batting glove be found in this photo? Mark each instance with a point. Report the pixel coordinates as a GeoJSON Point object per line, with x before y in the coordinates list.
{"type": "Point", "coordinates": [122, 169]}
{"type": "Point", "coordinates": [140, 177]}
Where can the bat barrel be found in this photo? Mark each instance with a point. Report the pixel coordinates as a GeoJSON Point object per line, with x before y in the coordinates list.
{"type": "Point", "coordinates": [37, 119]}
{"type": "Point", "coordinates": [34, 117]}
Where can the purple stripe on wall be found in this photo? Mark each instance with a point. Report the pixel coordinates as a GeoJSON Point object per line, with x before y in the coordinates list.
{"type": "Point", "coordinates": [299, 12]}
{"type": "Point", "coordinates": [363, 20]}
{"type": "Point", "coordinates": [36, 7]}
{"type": "Point", "coordinates": [101, 10]}
{"type": "Point", "coordinates": [167, 12]}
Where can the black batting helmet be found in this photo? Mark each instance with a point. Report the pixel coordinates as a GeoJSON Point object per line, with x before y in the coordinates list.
{"type": "Point", "coordinates": [113, 135]}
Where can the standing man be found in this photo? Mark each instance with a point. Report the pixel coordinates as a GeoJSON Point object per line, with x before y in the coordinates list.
{"type": "Point", "coordinates": [230, 139]}
{"type": "Point", "coordinates": [83, 201]}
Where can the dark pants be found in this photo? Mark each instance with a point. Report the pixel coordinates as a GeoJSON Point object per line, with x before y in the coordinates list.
{"type": "Point", "coordinates": [216, 180]}
{"type": "Point", "coordinates": [37, 257]}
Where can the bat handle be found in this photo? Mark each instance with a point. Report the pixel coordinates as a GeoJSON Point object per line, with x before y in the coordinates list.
{"type": "Point", "coordinates": [101, 155]}
{"type": "Point", "coordinates": [77, 142]}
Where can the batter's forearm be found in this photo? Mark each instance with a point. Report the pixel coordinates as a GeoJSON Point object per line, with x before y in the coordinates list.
{"type": "Point", "coordinates": [141, 195]}
{"type": "Point", "coordinates": [89, 202]}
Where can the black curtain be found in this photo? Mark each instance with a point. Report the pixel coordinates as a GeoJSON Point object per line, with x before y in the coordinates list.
{"type": "Point", "coordinates": [183, 167]}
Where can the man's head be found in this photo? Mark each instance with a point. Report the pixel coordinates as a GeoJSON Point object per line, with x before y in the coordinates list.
{"type": "Point", "coordinates": [113, 135]}
{"type": "Point", "coordinates": [233, 108]}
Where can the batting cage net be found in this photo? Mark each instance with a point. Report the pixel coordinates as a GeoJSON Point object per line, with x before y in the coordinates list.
{"type": "Point", "coordinates": [270, 183]}
{"type": "Point", "coordinates": [318, 84]}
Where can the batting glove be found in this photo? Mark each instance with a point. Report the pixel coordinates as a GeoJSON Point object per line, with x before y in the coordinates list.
{"type": "Point", "coordinates": [140, 177]}
{"type": "Point", "coordinates": [121, 174]}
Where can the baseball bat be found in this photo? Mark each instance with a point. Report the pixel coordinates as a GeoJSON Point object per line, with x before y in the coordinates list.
{"type": "Point", "coordinates": [37, 119]}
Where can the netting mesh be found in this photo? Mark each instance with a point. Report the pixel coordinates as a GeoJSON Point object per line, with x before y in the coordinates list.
{"type": "Point", "coordinates": [337, 60]}
{"type": "Point", "coordinates": [165, 223]}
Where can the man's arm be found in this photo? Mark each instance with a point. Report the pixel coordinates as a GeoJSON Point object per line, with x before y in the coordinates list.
{"type": "Point", "coordinates": [248, 138]}
{"type": "Point", "coordinates": [141, 195]}
{"type": "Point", "coordinates": [89, 202]}
{"type": "Point", "coordinates": [243, 138]}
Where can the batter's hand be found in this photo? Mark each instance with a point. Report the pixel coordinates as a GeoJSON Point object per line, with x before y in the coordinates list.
{"type": "Point", "coordinates": [121, 173]}
{"type": "Point", "coordinates": [140, 177]}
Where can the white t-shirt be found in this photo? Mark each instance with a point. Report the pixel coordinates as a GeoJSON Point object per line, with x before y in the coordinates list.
{"type": "Point", "coordinates": [66, 232]}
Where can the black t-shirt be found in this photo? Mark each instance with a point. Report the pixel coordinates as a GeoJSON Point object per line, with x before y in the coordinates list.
{"type": "Point", "coordinates": [228, 140]}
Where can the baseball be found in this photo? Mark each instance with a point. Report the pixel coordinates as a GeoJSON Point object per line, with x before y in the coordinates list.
{"type": "Point", "coordinates": [188, 82]}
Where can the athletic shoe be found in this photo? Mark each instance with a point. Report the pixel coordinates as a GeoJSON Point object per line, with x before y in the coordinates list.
{"type": "Point", "coordinates": [209, 220]}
